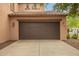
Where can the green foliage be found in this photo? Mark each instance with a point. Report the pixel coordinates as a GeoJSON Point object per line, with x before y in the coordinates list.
{"type": "Point", "coordinates": [70, 8]}
{"type": "Point", "coordinates": [74, 36]}
{"type": "Point", "coordinates": [72, 22]}
{"type": "Point", "coordinates": [68, 36]}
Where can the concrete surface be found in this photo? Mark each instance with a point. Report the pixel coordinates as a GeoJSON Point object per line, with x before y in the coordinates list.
{"type": "Point", "coordinates": [39, 48]}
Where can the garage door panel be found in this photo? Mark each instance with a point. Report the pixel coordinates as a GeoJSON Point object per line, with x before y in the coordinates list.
{"type": "Point", "coordinates": [39, 30]}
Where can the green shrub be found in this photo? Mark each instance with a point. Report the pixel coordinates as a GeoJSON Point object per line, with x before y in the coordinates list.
{"type": "Point", "coordinates": [74, 36]}
{"type": "Point", "coordinates": [68, 36]}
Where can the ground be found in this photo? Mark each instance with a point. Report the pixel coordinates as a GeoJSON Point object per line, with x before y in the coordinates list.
{"type": "Point", "coordinates": [39, 48]}
{"type": "Point", "coordinates": [73, 42]}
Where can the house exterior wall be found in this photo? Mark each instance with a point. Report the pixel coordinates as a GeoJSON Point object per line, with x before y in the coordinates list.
{"type": "Point", "coordinates": [63, 29]}
{"type": "Point", "coordinates": [11, 32]}
{"type": "Point", "coordinates": [23, 7]}
{"type": "Point", "coordinates": [4, 22]}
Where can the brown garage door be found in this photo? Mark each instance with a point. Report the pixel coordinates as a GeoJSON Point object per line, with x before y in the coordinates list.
{"type": "Point", "coordinates": [39, 30]}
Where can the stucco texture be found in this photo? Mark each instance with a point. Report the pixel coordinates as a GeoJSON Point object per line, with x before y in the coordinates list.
{"type": "Point", "coordinates": [4, 22]}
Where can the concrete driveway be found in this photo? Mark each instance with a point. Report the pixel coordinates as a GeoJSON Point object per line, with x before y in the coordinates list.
{"type": "Point", "coordinates": [39, 48]}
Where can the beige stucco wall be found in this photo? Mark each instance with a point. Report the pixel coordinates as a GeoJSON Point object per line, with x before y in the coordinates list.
{"type": "Point", "coordinates": [4, 22]}
{"type": "Point", "coordinates": [15, 30]}
{"type": "Point", "coordinates": [22, 7]}
{"type": "Point", "coordinates": [16, 7]}
{"type": "Point", "coordinates": [63, 29]}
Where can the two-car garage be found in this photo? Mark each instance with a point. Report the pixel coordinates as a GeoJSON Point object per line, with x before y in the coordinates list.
{"type": "Point", "coordinates": [41, 25]}
{"type": "Point", "coordinates": [39, 30]}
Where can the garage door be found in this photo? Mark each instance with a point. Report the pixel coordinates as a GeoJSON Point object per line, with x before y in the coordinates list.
{"type": "Point", "coordinates": [29, 30]}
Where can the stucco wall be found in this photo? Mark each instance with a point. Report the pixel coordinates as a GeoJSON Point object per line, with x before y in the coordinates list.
{"type": "Point", "coordinates": [4, 22]}
{"type": "Point", "coordinates": [63, 29]}
{"type": "Point", "coordinates": [22, 7]}
{"type": "Point", "coordinates": [14, 29]}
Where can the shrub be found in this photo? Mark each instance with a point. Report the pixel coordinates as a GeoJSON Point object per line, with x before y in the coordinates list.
{"type": "Point", "coordinates": [74, 36]}
{"type": "Point", "coordinates": [68, 36]}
